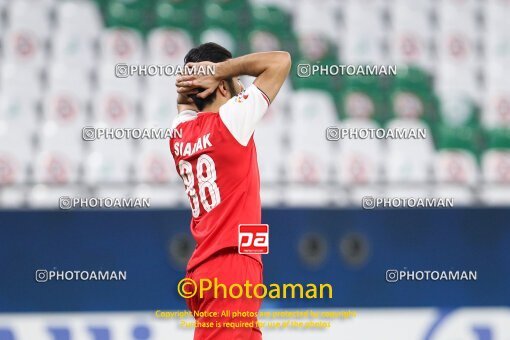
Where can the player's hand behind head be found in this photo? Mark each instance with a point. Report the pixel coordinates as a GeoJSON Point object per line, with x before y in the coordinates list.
{"type": "Point", "coordinates": [198, 76]}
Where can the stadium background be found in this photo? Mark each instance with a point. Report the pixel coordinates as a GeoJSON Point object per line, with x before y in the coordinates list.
{"type": "Point", "coordinates": [57, 76]}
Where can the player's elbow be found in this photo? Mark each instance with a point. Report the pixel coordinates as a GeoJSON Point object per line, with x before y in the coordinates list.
{"type": "Point", "coordinates": [285, 60]}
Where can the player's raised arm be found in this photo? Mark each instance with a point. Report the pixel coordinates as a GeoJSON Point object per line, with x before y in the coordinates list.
{"type": "Point", "coordinates": [270, 69]}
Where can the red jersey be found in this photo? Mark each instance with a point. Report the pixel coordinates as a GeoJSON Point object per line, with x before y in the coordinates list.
{"type": "Point", "coordinates": [215, 155]}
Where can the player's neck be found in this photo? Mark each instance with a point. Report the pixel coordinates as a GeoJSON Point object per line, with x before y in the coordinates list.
{"type": "Point", "coordinates": [213, 107]}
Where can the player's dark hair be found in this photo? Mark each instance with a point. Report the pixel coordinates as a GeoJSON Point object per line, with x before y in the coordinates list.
{"type": "Point", "coordinates": [208, 52]}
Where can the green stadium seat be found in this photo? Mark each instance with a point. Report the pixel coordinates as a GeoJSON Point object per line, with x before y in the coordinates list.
{"type": "Point", "coordinates": [412, 78]}
{"type": "Point", "coordinates": [271, 18]}
{"type": "Point", "coordinates": [184, 14]}
{"type": "Point", "coordinates": [229, 14]}
{"type": "Point", "coordinates": [460, 138]}
{"type": "Point", "coordinates": [498, 139]}
{"type": "Point", "coordinates": [135, 14]}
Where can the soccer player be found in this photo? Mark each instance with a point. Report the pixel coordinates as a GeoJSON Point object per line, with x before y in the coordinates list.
{"type": "Point", "coordinates": [214, 152]}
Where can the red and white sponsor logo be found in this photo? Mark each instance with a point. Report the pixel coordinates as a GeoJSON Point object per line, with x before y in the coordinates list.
{"type": "Point", "coordinates": [253, 239]}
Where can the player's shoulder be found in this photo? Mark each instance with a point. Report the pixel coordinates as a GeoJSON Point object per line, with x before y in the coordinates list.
{"type": "Point", "coordinates": [184, 116]}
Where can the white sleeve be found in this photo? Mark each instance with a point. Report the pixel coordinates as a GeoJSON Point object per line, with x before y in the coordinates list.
{"type": "Point", "coordinates": [183, 116]}
{"type": "Point", "coordinates": [242, 113]}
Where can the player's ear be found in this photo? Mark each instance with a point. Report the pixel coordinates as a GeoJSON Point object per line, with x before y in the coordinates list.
{"type": "Point", "coordinates": [223, 89]}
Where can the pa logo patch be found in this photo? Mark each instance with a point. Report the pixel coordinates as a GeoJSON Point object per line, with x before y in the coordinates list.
{"type": "Point", "coordinates": [253, 239]}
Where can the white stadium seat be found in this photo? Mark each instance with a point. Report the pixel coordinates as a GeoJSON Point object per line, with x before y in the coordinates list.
{"type": "Point", "coordinates": [21, 82]}
{"type": "Point", "coordinates": [24, 40]}
{"type": "Point", "coordinates": [402, 165]}
{"type": "Point", "coordinates": [107, 80]}
{"type": "Point", "coordinates": [159, 110]}
{"type": "Point", "coordinates": [24, 48]}
{"type": "Point", "coordinates": [456, 107]}
{"type": "Point", "coordinates": [308, 13]}
{"type": "Point", "coordinates": [18, 113]}
{"type": "Point", "coordinates": [496, 106]}
{"type": "Point", "coordinates": [461, 195]}
{"type": "Point", "coordinates": [457, 49]}
{"type": "Point", "coordinates": [407, 105]}
{"type": "Point", "coordinates": [154, 163]}
{"type": "Point", "coordinates": [271, 195]}
{"type": "Point", "coordinates": [357, 193]}
{"type": "Point", "coordinates": [309, 159]}
{"type": "Point", "coordinates": [162, 87]}
{"type": "Point", "coordinates": [80, 17]}
{"type": "Point", "coordinates": [168, 46]}
{"type": "Point", "coordinates": [168, 196]}
{"type": "Point", "coordinates": [457, 40]}
{"type": "Point", "coordinates": [269, 139]}
{"type": "Point", "coordinates": [71, 80]}
{"type": "Point", "coordinates": [496, 166]}
{"type": "Point", "coordinates": [297, 195]}
{"type": "Point", "coordinates": [307, 164]}
{"type": "Point", "coordinates": [407, 191]}
{"type": "Point", "coordinates": [451, 76]}
{"type": "Point", "coordinates": [114, 109]}
{"type": "Point", "coordinates": [497, 33]}
{"type": "Point", "coordinates": [30, 15]}
{"type": "Point", "coordinates": [12, 197]}
{"type": "Point", "coordinates": [108, 162]}
{"type": "Point", "coordinates": [56, 166]}
{"type": "Point", "coordinates": [264, 41]}
{"type": "Point", "coordinates": [65, 110]}
{"type": "Point", "coordinates": [495, 195]}
{"type": "Point", "coordinates": [456, 166]}
{"type": "Point", "coordinates": [220, 36]}
{"type": "Point", "coordinates": [362, 43]}
{"type": "Point", "coordinates": [121, 46]}
{"type": "Point", "coordinates": [44, 196]}
{"type": "Point", "coordinates": [78, 28]}
{"type": "Point", "coordinates": [411, 36]}
{"type": "Point", "coordinates": [60, 151]}
{"type": "Point", "coordinates": [15, 155]}
{"type": "Point", "coordinates": [458, 14]}
{"type": "Point", "coordinates": [311, 109]}
{"type": "Point", "coordinates": [73, 50]}
{"type": "Point", "coordinates": [359, 161]}
{"type": "Point", "coordinates": [496, 176]}
{"type": "Point", "coordinates": [114, 191]}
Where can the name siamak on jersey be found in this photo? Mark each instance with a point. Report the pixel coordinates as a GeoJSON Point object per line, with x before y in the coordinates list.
{"type": "Point", "coordinates": [189, 148]}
